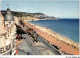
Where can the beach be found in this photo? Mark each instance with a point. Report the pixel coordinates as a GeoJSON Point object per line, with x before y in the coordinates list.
{"type": "Point", "coordinates": [64, 44]}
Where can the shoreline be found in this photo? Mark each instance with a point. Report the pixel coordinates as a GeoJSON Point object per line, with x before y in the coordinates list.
{"type": "Point", "coordinates": [56, 35]}
{"type": "Point", "coordinates": [64, 44]}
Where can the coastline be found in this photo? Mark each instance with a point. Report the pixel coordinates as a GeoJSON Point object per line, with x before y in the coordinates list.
{"type": "Point", "coordinates": [56, 35]}
{"type": "Point", "coordinates": [64, 44]}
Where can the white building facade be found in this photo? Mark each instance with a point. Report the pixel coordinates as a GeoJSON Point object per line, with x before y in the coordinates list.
{"type": "Point", "coordinates": [7, 34]}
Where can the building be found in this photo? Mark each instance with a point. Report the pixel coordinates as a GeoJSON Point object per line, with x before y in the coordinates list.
{"type": "Point", "coordinates": [16, 20]}
{"type": "Point", "coordinates": [7, 34]}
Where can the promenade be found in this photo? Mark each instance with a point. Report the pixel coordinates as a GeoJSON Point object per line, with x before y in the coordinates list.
{"type": "Point", "coordinates": [62, 46]}
{"type": "Point", "coordinates": [29, 47]}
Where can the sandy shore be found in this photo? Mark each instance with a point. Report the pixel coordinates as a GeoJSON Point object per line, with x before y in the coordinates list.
{"type": "Point", "coordinates": [56, 35]}
{"type": "Point", "coordinates": [63, 43]}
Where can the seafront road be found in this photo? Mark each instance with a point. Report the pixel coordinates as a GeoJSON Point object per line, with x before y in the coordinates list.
{"type": "Point", "coordinates": [28, 47]}
{"type": "Point", "coordinates": [53, 49]}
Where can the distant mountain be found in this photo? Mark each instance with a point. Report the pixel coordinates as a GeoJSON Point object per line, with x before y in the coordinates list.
{"type": "Point", "coordinates": [36, 15]}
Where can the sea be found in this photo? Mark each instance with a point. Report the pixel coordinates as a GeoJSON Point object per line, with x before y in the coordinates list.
{"type": "Point", "coordinates": [66, 27]}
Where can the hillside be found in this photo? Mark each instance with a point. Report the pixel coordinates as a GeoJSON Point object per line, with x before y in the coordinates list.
{"type": "Point", "coordinates": [25, 14]}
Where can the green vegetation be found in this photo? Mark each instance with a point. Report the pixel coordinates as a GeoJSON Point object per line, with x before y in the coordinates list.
{"type": "Point", "coordinates": [25, 14]}
{"type": "Point", "coordinates": [20, 30]}
{"type": "Point", "coordinates": [17, 14]}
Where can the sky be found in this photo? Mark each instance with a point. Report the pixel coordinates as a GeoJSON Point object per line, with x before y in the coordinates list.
{"type": "Point", "coordinates": [61, 9]}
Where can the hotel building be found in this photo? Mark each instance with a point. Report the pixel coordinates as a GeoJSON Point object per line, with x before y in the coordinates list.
{"type": "Point", "coordinates": [7, 34]}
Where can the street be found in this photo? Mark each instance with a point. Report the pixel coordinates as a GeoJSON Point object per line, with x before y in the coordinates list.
{"type": "Point", "coordinates": [28, 47]}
